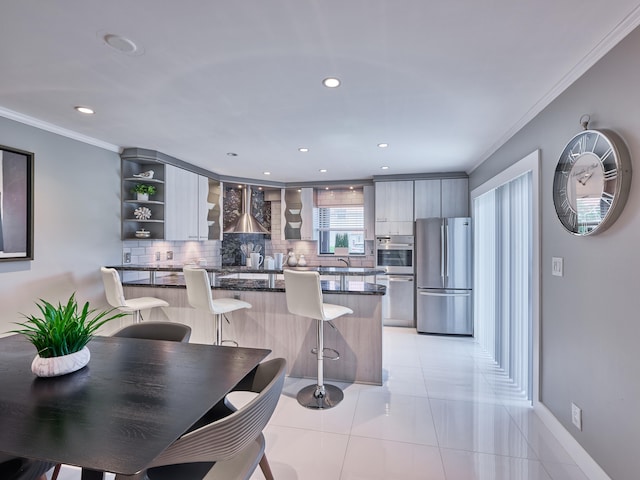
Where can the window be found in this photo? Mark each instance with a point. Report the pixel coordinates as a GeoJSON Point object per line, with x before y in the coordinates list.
{"type": "Point", "coordinates": [334, 222]}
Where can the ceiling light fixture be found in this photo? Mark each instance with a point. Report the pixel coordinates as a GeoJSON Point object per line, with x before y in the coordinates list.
{"type": "Point", "coordinates": [232, 154]}
{"type": "Point", "coordinates": [266, 173]}
{"type": "Point", "coordinates": [331, 82]}
{"type": "Point", "coordinates": [383, 145]}
{"type": "Point", "coordinates": [384, 167]}
{"type": "Point", "coordinates": [122, 44]}
{"type": "Point", "coordinates": [85, 110]}
{"type": "Point", "coordinates": [303, 149]}
{"type": "Point", "coordinates": [323, 170]}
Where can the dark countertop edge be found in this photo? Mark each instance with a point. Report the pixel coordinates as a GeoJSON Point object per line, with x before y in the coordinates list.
{"type": "Point", "coordinates": [231, 270]}
{"type": "Point", "coordinates": [261, 286]}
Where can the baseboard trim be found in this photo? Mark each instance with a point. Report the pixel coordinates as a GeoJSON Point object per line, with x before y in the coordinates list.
{"type": "Point", "coordinates": [589, 466]}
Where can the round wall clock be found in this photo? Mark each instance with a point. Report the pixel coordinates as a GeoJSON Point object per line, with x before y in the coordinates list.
{"type": "Point", "coordinates": [591, 182]}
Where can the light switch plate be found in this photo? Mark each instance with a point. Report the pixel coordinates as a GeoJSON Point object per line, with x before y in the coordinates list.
{"type": "Point", "coordinates": [557, 267]}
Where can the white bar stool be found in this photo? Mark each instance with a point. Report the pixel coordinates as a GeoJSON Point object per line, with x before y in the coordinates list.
{"type": "Point", "coordinates": [200, 298]}
{"type": "Point", "coordinates": [304, 298]}
{"type": "Point", "coordinates": [115, 296]}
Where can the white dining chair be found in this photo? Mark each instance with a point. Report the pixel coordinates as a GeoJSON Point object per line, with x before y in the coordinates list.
{"type": "Point", "coordinates": [115, 296]}
{"type": "Point", "coordinates": [226, 443]}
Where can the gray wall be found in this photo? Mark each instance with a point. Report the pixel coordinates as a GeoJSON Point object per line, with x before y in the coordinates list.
{"type": "Point", "coordinates": [76, 223]}
{"type": "Point", "coordinates": [590, 318]}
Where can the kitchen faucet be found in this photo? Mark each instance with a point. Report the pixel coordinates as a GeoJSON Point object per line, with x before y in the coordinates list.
{"type": "Point", "coordinates": [347, 261]}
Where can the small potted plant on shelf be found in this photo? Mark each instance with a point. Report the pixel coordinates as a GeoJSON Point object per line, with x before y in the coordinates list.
{"type": "Point", "coordinates": [143, 191]}
{"type": "Point", "coordinates": [60, 335]}
{"type": "Point", "coordinates": [342, 244]}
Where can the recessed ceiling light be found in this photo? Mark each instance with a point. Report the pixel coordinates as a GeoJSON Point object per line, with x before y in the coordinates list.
{"type": "Point", "coordinates": [384, 167]}
{"type": "Point", "coordinates": [232, 154]}
{"type": "Point", "coordinates": [85, 110]}
{"type": "Point", "coordinates": [326, 188]}
{"type": "Point", "coordinates": [331, 82]}
{"type": "Point", "coordinates": [383, 145]}
{"type": "Point", "coordinates": [350, 188]}
{"type": "Point", "coordinates": [120, 44]}
{"type": "Point", "coordinates": [303, 149]}
{"type": "Point", "coordinates": [323, 170]}
{"type": "Point", "coordinates": [266, 173]}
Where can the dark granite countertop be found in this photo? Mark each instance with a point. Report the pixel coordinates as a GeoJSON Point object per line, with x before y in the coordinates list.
{"type": "Point", "coordinates": [168, 267]}
{"type": "Point", "coordinates": [328, 286]}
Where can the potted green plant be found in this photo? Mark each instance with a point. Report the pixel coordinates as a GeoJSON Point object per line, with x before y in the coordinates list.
{"type": "Point", "coordinates": [60, 334]}
{"type": "Point", "coordinates": [143, 191]}
{"type": "Point", "coordinates": [342, 244]}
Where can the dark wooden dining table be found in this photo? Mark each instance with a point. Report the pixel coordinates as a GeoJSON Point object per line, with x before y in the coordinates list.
{"type": "Point", "coordinates": [118, 413]}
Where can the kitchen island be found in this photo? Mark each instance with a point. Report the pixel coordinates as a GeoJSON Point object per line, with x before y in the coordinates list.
{"type": "Point", "coordinates": [268, 324]}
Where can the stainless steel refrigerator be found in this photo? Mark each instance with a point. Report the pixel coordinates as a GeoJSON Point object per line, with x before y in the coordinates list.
{"type": "Point", "coordinates": [444, 276]}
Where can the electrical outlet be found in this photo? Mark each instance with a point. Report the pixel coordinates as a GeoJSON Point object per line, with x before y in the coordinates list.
{"type": "Point", "coordinates": [169, 255]}
{"type": "Point", "coordinates": [576, 416]}
{"type": "Point", "coordinates": [557, 266]}
{"type": "Point", "coordinates": [127, 257]}
{"type": "Point", "coordinates": [157, 256]}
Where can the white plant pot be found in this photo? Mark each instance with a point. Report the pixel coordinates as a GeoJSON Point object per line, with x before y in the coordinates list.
{"type": "Point", "coordinates": [56, 366]}
{"type": "Point", "coordinates": [341, 251]}
{"type": "Point", "coordinates": [143, 197]}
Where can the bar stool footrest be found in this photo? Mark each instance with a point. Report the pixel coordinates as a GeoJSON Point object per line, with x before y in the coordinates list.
{"type": "Point", "coordinates": [335, 356]}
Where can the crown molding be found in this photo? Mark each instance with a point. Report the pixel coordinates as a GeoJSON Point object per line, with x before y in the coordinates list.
{"type": "Point", "coordinates": [49, 127]}
{"type": "Point", "coordinates": [615, 36]}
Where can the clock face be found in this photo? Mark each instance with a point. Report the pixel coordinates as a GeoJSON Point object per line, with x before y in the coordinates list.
{"type": "Point", "coordinates": [591, 182]}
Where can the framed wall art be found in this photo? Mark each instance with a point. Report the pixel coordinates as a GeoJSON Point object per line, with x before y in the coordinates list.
{"type": "Point", "coordinates": [16, 204]}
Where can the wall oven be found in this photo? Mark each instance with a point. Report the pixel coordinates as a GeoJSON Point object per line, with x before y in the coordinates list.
{"type": "Point", "coordinates": [395, 254]}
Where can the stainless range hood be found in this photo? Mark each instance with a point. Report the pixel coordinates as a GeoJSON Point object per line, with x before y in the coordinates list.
{"type": "Point", "coordinates": [246, 222]}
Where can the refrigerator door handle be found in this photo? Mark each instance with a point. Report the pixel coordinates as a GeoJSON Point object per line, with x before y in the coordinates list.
{"type": "Point", "coordinates": [442, 246]}
{"type": "Point", "coordinates": [446, 253]}
{"type": "Point", "coordinates": [400, 279]}
{"type": "Point", "coordinates": [435, 294]}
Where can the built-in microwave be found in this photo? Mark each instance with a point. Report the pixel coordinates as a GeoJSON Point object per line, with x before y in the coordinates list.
{"type": "Point", "coordinates": [395, 254]}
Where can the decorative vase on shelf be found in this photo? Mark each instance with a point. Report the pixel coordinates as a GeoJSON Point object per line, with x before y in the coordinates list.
{"type": "Point", "coordinates": [143, 197]}
{"type": "Point", "coordinates": [302, 262]}
{"type": "Point", "coordinates": [292, 261]}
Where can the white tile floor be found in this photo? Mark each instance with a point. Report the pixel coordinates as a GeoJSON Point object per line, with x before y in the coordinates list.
{"type": "Point", "coordinates": [443, 413]}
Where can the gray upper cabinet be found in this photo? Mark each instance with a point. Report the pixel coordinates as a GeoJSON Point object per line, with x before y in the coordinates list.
{"type": "Point", "coordinates": [189, 211]}
{"type": "Point", "coordinates": [455, 197]}
{"type": "Point", "coordinates": [428, 198]}
{"type": "Point", "coordinates": [447, 197]}
{"type": "Point", "coordinates": [368, 195]}
{"type": "Point", "coordinates": [394, 207]}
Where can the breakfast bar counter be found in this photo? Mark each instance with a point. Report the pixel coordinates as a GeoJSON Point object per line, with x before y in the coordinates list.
{"type": "Point", "coordinates": [268, 324]}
